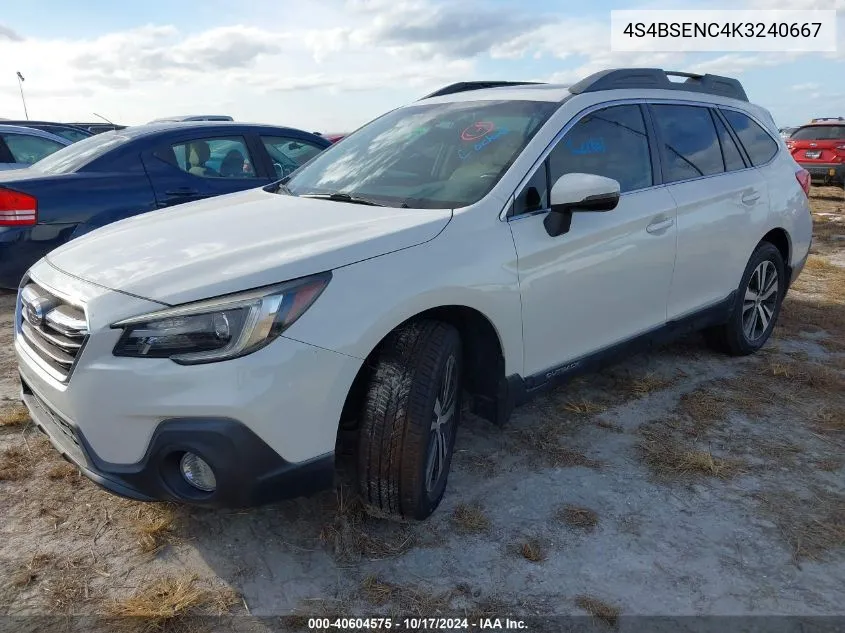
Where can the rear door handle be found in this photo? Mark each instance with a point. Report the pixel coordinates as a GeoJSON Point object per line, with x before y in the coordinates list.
{"type": "Point", "coordinates": [659, 227]}
{"type": "Point", "coordinates": [750, 198]}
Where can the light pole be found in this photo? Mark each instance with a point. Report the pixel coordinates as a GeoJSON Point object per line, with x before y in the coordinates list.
{"type": "Point", "coordinates": [20, 85]}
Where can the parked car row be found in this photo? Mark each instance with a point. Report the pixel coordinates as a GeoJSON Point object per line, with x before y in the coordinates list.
{"type": "Point", "coordinates": [491, 239]}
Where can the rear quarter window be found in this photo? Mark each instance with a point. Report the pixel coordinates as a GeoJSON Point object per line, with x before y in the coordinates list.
{"type": "Point", "coordinates": [760, 147]}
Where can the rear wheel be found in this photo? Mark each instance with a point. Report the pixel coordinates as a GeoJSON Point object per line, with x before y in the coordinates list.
{"type": "Point", "coordinates": [757, 306]}
{"type": "Point", "coordinates": [410, 415]}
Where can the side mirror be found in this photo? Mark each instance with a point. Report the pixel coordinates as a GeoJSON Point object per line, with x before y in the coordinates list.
{"type": "Point", "coordinates": [573, 193]}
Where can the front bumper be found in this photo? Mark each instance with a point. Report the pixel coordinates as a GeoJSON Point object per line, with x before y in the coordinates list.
{"type": "Point", "coordinates": [248, 472]}
{"type": "Point", "coordinates": [267, 421]}
{"type": "Point", "coordinates": [827, 172]}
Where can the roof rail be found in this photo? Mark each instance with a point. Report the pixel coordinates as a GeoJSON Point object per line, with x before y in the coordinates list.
{"type": "Point", "coordinates": [464, 86]}
{"type": "Point", "coordinates": [656, 78]}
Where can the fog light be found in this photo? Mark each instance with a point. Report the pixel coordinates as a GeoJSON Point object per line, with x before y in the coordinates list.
{"type": "Point", "coordinates": [197, 472]}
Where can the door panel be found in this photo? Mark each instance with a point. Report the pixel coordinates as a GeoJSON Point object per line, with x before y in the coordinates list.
{"type": "Point", "coordinates": [721, 203]}
{"type": "Point", "coordinates": [604, 281]}
{"type": "Point", "coordinates": [718, 225]}
{"type": "Point", "coordinates": [607, 279]}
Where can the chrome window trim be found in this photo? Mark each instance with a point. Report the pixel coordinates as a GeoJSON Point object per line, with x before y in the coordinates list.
{"type": "Point", "coordinates": [505, 216]}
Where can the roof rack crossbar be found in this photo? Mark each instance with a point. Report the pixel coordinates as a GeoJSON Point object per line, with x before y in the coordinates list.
{"type": "Point", "coordinates": [657, 78]}
{"type": "Point", "coordinates": [464, 86]}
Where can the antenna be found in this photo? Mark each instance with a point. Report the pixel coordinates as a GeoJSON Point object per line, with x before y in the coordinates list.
{"type": "Point", "coordinates": [103, 118]}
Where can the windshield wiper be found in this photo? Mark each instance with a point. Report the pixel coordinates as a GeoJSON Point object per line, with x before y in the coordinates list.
{"type": "Point", "coordinates": [339, 196]}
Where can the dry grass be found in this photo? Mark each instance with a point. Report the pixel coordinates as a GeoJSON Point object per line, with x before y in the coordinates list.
{"type": "Point", "coordinates": [649, 383]}
{"type": "Point", "coordinates": [830, 420]}
{"type": "Point", "coordinates": [15, 416]}
{"type": "Point", "coordinates": [166, 601]}
{"type": "Point", "coordinates": [599, 609]}
{"type": "Point", "coordinates": [577, 517]}
{"type": "Point", "coordinates": [354, 533]}
{"type": "Point", "coordinates": [154, 525]}
{"type": "Point", "coordinates": [376, 591]}
{"type": "Point", "coordinates": [30, 571]}
{"type": "Point", "coordinates": [533, 550]}
{"type": "Point", "coordinates": [63, 471]}
{"type": "Point", "coordinates": [470, 519]}
{"type": "Point", "coordinates": [582, 407]}
{"type": "Point", "coordinates": [813, 526]}
{"type": "Point", "coordinates": [409, 599]}
{"type": "Point", "coordinates": [543, 441]}
{"type": "Point", "coordinates": [668, 458]}
{"type": "Point", "coordinates": [15, 464]}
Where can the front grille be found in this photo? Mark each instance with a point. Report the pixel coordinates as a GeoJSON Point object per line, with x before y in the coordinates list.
{"type": "Point", "coordinates": [53, 329]}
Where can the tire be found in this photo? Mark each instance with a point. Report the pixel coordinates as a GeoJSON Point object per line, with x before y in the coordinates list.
{"type": "Point", "coordinates": [400, 473]}
{"type": "Point", "coordinates": [745, 332]}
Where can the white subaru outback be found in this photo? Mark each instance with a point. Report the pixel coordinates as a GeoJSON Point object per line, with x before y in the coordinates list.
{"type": "Point", "coordinates": [483, 243]}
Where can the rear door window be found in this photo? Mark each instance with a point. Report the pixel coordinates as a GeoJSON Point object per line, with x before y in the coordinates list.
{"type": "Point", "coordinates": [689, 144]}
{"type": "Point", "coordinates": [760, 147]}
{"type": "Point", "coordinates": [226, 157]}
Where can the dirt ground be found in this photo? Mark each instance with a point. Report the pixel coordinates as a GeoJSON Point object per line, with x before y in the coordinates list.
{"type": "Point", "coordinates": [680, 482]}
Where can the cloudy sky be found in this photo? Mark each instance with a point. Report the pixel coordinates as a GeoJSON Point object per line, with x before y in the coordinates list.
{"type": "Point", "coordinates": [331, 65]}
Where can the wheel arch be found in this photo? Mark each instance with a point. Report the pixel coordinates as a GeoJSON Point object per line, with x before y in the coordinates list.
{"type": "Point", "coordinates": [779, 238]}
{"type": "Point", "coordinates": [484, 365]}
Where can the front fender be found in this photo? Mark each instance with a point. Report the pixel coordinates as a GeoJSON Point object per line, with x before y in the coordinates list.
{"type": "Point", "coordinates": [365, 301]}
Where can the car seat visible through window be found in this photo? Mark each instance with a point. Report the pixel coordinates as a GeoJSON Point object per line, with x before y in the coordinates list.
{"type": "Point", "coordinates": [198, 155]}
{"type": "Point", "coordinates": [232, 165]}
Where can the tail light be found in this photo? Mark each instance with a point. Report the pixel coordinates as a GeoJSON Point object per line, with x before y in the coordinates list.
{"type": "Point", "coordinates": [803, 178]}
{"type": "Point", "coordinates": [17, 209]}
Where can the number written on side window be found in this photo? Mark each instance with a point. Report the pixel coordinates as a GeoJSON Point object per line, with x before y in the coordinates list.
{"type": "Point", "coordinates": [611, 142]}
{"type": "Point", "coordinates": [214, 158]}
{"type": "Point", "coordinates": [29, 149]}
{"type": "Point", "coordinates": [761, 147]}
{"type": "Point", "coordinates": [690, 147]}
{"type": "Point", "coordinates": [288, 154]}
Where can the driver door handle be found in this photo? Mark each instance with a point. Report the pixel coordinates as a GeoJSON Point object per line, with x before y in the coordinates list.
{"type": "Point", "coordinates": [660, 226]}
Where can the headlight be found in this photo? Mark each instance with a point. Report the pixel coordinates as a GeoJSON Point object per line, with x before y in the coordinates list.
{"type": "Point", "coordinates": [221, 328]}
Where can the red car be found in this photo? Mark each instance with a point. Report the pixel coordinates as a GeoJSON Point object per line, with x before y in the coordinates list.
{"type": "Point", "coordinates": [819, 147]}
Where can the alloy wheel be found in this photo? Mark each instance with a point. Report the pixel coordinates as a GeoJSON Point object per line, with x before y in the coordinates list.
{"type": "Point", "coordinates": [760, 302]}
{"type": "Point", "coordinates": [442, 426]}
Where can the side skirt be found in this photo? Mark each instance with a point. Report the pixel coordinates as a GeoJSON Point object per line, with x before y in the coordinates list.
{"type": "Point", "coordinates": [519, 390]}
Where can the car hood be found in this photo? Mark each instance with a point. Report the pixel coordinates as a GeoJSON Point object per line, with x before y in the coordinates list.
{"type": "Point", "coordinates": [237, 242]}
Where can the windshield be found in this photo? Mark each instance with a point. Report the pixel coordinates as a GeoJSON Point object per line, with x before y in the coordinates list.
{"type": "Point", "coordinates": [427, 156]}
{"type": "Point", "coordinates": [819, 133]}
{"type": "Point", "coordinates": [74, 157]}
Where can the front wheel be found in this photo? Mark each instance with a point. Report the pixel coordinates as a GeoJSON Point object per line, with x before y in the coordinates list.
{"type": "Point", "coordinates": [410, 416]}
{"type": "Point", "coordinates": [757, 306]}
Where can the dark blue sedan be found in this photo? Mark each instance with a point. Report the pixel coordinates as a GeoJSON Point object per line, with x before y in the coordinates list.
{"type": "Point", "coordinates": [119, 174]}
